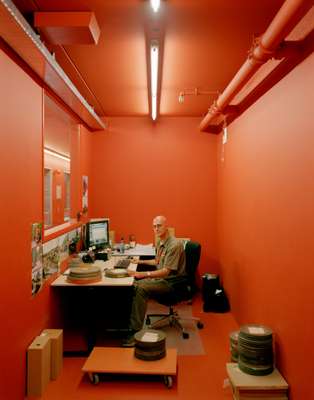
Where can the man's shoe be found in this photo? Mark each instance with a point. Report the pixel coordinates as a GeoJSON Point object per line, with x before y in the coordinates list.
{"type": "Point", "coordinates": [129, 341]}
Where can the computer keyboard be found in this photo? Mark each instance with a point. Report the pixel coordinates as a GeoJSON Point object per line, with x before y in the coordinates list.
{"type": "Point", "coordinates": [122, 263]}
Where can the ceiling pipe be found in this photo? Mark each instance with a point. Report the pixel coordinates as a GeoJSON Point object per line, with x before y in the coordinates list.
{"type": "Point", "coordinates": [263, 49]}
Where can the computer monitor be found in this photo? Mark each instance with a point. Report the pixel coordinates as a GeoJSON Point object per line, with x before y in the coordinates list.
{"type": "Point", "coordinates": [97, 233]}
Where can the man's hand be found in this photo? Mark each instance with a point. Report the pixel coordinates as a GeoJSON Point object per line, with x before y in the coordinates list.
{"type": "Point", "coordinates": [131, 272]}
{"type": "Point", "coordinates": [137, 275]}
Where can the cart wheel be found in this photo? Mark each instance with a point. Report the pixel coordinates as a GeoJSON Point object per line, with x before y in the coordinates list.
{"type": "Point", "coordinates": [168, 381]}
{"type": "Point", "coordinates": [200, 325]}
{"type": "Point", "coordinates": [185, 335]}
{"type": "Point", "coordinates": [94, 378]}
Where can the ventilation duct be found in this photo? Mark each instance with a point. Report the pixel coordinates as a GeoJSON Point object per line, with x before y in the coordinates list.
{"type": "Point", "coordinates": [21, 38]}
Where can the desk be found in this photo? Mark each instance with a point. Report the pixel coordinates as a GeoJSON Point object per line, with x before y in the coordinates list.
{"type": "Point", "coordinates": [96, 307]}
{"type": "Point", "coordinates": [105, 281]}
{"type": "Point", "coordinates": [140, 250]}
{"type": "Point", "coordinates": [101, 306]}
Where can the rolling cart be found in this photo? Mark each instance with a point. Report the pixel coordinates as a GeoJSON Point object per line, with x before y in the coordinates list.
{"type": "Point", "coordinates": [116, 360]}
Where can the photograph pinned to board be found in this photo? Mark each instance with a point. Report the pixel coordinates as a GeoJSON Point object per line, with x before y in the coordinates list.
{"type": "Point", "coordinates": [53, 251]}
{"type": "Point", "coordinates": [37, 257]}
{"type": "Point", "coordinates": [85, 193]}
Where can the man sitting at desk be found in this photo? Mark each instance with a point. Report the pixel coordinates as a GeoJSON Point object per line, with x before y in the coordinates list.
{"type": "Point", "coordinates": [169, 261]}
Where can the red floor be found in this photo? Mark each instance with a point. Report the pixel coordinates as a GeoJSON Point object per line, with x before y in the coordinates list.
{"type": "Point", "coordinates": [198, 377]}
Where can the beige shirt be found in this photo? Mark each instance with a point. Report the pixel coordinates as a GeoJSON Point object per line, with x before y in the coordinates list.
{"type": "Point", "coordinates": [170, 254]}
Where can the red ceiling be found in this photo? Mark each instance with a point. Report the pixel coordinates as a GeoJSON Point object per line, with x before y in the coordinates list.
{"type": "Point", "coordinates": [205, 43]}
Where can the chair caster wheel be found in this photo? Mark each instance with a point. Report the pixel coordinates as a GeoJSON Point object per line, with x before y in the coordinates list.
{"type": "Point", "coordinates": [94, 378]}
{"type": "Point", "coordinates": [200, 325]}
{"type": "Point", "coordinates": [168, 381]}
{"type": "Point", "coordinates": [185, 335]}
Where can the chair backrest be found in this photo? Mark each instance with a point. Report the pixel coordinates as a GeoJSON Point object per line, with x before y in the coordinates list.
{"type": "Point", "coordinates": [192, 258]}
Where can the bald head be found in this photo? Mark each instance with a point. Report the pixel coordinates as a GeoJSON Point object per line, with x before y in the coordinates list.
{"type": "Point", "coordinates": [160, 219]}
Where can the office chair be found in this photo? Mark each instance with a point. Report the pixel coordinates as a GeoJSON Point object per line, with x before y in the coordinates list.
{"type": "Point", "coordinates": [184, 288]}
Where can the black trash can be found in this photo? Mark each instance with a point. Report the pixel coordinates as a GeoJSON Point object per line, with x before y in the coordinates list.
{"type": "Point", "coordinates": [210, 283]}
{"type": "Point", "coordinates": [214, 297]}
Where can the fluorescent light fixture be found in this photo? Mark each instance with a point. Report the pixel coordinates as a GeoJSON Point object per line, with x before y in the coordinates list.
{"type": "Point", "coordinates": [56, 154]}
{"type": "Point", "coordinates": [154, 54]}
{"type": "Point", "coordinates": [155, 4]}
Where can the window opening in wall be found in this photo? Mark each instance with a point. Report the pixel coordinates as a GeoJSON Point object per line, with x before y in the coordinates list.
{"type": "Point", "coordinates": [67, 206]}
{"type": "Point", "coordinates": [47, 197]}
{"type": "Point", "coordinates": [61, 132]}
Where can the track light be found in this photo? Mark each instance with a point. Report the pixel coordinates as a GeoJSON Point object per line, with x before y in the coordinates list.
{"type": "Point", "coordinates": [155, 4]}
{"type": "Point", "coordinates": [195, 92]}
{"type": "Point", "coordinates": [154, 59]}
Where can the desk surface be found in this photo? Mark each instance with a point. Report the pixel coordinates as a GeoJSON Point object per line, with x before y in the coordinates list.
{"type": "Point", "coordinates": [138, 250]}
{"type": "Point", "coordinates": [105, 281]}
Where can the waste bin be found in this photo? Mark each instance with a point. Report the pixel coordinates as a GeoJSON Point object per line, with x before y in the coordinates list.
{"type": "Point", "coordinates": [210, 283]}
{"type": "Point", "coordinates": [214, 297]}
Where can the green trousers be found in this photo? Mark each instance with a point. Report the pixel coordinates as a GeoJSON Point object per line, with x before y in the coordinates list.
{"type": "Point", "coordinates": [145, 289]}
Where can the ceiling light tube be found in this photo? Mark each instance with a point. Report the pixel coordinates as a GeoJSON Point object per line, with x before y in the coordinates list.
{"type": "Point", "coordinates": [56, 154]}
{"type": "Point", "coordinates": [154, 55]}
{"type": "Point", "coordinates": [155, 4]}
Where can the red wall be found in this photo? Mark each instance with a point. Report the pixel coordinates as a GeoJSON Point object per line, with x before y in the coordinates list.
{"type": "Point", "coordinates": [22, 317]}
{"type": "Point", "coordinates": [140, 170]}
{"type": "Point", "coordinates": [80, 165]}
{"type": "Point", "coordinates": [137, 170]}
{"type": "Point", "coordinates": [85, 161]}
{"type": "Point", "coordinates": [266, 221]}
{"type": "Point", "coordinates": [21, 164]}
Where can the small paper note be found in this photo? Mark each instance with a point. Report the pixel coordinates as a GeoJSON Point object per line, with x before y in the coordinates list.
{"type": "Point", "coordinates": [256, 330]}
{"type": "Point", "coordinates": [149, 337]}
{"type": "Point", "coordinates": [58, 192]}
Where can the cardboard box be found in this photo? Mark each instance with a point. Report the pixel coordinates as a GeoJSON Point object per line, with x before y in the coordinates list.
{"type": "Point", "coordinates": [38, 366]}
{"type": "Point", "coordinates": [248, 387]}
{"type": "Point", "coordinates": [56, 338]}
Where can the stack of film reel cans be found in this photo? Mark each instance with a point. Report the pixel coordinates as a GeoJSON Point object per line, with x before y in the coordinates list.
{"type": "Point", "coordinates": [234, 337]}
{"type": "Point", "coordinates": [255, 350]}
{"type": "Point", "coordinates": [84, 273]}
{"type": "Point", "coordinates": [150, 345]}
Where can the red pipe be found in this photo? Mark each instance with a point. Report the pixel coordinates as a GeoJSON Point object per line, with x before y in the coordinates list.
{"type": "Point", "coordinates": [262, 50]}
